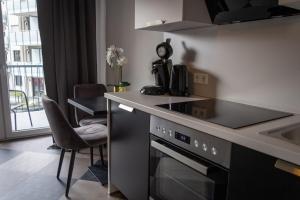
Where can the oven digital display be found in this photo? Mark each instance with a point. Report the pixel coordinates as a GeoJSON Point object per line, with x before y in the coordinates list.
{"type": "Point", "coordinates": [182, 138]}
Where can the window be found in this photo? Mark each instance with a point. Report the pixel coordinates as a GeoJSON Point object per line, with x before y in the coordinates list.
{"type": "Point", "coordinates": [17, 55]}
{"type": "Point", "coordinates": [37, 86]}
{"type": "Point", "coordinates": [18, 80]}
{"type": "Point", "coordinates": [28, 55]}
{"type": "Point", "coordinates": [25, 25]}
{"type": "Point", "coordinates": [36, 55]}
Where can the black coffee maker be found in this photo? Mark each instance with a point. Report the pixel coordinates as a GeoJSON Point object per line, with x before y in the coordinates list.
{"type": "Point", "coordinates": [168, 78]}
{"type": "Point", "coordinates": [161, 70]}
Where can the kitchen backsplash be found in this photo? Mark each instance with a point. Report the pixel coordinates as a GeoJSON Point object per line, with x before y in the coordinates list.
{"type": "Point", "coordinates": [256, 62]}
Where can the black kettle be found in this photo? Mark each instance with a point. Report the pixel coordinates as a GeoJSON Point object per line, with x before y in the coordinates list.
{"type": "Point", "coordinates": [179, 81]}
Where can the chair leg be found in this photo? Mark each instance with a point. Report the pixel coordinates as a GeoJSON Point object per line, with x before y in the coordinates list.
{"type": "Point", "coordinates": [92, 155]}
{"type": "Point", "coordinates": [101, 154]}
{"type": "Point", "coordinates": [70, 172]}
{"type": "Point", "coordinates": [29, 116]}
{"type": "Point", "coordinates": [62, 154]}
{"type": "Point", "coordinates": [27, 105]}
{"type": "Point", "coordinates": [15, 117]}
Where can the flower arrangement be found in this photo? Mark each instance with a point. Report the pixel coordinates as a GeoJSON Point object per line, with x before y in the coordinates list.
{"type": "Point", "coordinates": [115, 57]}
{"type": "Point", "coordinates": [116, 61]}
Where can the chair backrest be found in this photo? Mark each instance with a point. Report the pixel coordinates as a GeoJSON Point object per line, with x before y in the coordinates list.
{"type": "Point", "coordinates": [87, 91]}
{"type": "Point", "coordinates": [17, 97]}
{"type": "Point", "coordinates": [63, 133]}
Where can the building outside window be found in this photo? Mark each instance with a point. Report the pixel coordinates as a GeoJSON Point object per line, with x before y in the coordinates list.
{"type": "Point", "coordinates": [18, 80]}
{"type": "Point", "coordinates": [17, 55]}
{"type": "Point", "coordinates": [23, 49]}
{"type": "Point", "coordinates": [37, 86]}
{"type": "Point", "coordinates": [24, 65]}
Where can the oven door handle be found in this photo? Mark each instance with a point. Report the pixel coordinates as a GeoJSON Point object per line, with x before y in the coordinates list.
{"type": "Point", "coordinates": [181, 158]}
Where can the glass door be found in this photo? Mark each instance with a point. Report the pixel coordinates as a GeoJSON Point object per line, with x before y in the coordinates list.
{"type": "Point", "coordinates": [22, 75]}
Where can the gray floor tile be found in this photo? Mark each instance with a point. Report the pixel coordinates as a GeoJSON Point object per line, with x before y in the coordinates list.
{"type": "Point", "coordinates": [88, 190]}
{"type": "Point", "coordinates": [28, 171]}
{"type": "Point", "coordinates": [7, 154]}
{"type": "Point", "coordinates": [28, 162]}
{"type": "Point", "coordinates": [38, 188]}
{"type": "Point", "coordinates": [11, 179]}
{"type": "Point", "coordinates": [80, 167]}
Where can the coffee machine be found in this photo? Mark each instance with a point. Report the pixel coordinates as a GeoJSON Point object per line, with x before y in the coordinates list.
{"type": "Point", "coordinates": [161, 70]}
{"type": "Point", "coordinates": [168, 78]}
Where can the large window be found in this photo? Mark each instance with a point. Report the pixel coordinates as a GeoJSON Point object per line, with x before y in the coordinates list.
{"type": "Point", "coordinates": [17, 55]}
{"type": "Point", "coordinates": [37, 86]}
{"type": "Point", "coordinates": [18, 80]}
{"type": "Point", "coordinates": [25, 74]}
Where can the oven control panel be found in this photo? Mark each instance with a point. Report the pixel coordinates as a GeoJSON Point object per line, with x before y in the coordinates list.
{"type": "Point", "coordinates": [210, 147]}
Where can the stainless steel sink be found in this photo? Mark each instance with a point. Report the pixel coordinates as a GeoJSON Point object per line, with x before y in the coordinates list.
{"type": "Point", "coordinates": [289, 134]}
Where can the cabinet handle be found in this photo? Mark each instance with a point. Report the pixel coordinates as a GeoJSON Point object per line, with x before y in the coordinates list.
{"type": "Point", "coordinates": [156, 22]}
{"type": "Point", "coordinates": [127, 108]}
{"type": "Point", "coordinates": [288, 167]}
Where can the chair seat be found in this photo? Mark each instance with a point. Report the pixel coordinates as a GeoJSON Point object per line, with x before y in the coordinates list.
{"type": "Point", "coordinates": [94, 134]}
{"type": "Point", "coordinates": [89, 121]}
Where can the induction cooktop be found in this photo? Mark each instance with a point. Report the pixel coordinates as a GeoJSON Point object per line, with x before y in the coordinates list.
{"type": "Point", "coordinates": [225, 113]}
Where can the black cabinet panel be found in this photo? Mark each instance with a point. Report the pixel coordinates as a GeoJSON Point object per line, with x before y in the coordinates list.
{"type": "Point", "coordinates": [130, 152]}
{"type": "Point", "coordinates": [254, 177]}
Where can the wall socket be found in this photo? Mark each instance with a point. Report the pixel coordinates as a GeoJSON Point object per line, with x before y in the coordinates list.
{"type": "Point", "coordinates": [201, 78]}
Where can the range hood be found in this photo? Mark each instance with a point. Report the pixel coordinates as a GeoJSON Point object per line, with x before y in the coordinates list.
{"type": "Point", "coordinates": [234, 11]}
{"type": "Point", "coordinates": [174, 15]}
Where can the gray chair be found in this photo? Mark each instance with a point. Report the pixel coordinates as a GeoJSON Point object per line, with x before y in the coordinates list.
{"type": "Point", "coordinates": [69, 138]}
{"type": "Point", "coordinates": [84, 119]}
{"type": "Point", "coordinates": [89, 91]}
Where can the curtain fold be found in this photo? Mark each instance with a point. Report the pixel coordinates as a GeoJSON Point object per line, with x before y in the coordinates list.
{"type": "Point", "coordinates": [68, 36]}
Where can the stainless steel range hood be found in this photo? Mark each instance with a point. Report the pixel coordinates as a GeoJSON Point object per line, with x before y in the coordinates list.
{"type": "Point", "coordinates": [233, 11]}
{"type": "Point", "coordinates": [171, 15]}
{"type": "Point", "coordinates": [290, 3]}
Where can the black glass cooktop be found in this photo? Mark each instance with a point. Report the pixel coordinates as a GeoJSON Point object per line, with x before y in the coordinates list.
{"type": "Point", "coordinates": [225, 113]}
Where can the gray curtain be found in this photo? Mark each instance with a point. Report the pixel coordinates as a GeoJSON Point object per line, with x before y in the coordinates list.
{"type": "Point", "coordinates": [68, 36]}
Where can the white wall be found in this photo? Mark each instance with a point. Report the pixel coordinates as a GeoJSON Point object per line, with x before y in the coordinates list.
{"type": "Point", "coordinates": [256, 63]}
{"type": "Point", "coordinates": [139, 46]}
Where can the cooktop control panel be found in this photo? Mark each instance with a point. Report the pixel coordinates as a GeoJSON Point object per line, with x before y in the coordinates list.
{"type": "Point", "coordinates": [212, 148]}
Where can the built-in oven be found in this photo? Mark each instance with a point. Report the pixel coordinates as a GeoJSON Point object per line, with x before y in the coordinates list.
{"type": "Point", "coordinates": [186, 164]}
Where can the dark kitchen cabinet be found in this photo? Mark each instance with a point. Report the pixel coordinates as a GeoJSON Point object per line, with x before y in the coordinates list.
{"type": "Point", "coordinates": [253, 176]}
{"type": "Point", "coordinates": [130, 151]}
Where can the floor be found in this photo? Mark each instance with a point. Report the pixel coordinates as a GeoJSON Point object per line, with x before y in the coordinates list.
{"type": "Point", "coordinates": [28, 171]}
{"type": "Point", "coordinates": [39, 120]}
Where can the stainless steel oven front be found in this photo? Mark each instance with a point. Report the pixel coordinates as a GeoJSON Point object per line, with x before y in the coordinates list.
{"type": "Point", "coordinates": [187, 164]}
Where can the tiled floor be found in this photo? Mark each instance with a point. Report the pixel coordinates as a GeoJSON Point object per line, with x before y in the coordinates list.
{"type": "Point", "coordinates": [39, 120]}
{"type": "Point", "coordinates": [28, 171]}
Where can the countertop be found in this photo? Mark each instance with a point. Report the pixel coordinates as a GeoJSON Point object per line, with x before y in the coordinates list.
{"type": "Point", "coordinates": [249, 137]}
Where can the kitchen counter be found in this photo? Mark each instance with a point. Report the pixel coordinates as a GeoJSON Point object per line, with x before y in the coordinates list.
{"type": "Point", "coordinates": [249, 137]}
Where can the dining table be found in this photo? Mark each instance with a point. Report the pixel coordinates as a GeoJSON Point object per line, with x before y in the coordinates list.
{"type": "Point", "coordinates": [94, 106]}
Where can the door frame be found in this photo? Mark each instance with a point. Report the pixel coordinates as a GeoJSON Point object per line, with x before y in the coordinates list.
{"type": "Point", "coordinates": [5, 118]}
{"type": "Point", "coordinates": [3, 87]}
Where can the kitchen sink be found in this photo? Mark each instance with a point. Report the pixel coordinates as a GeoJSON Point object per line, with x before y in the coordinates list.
{"type": "Point", "coordinates": [292, 136]}
{"type": "Point", "coordinates": [289, 134]}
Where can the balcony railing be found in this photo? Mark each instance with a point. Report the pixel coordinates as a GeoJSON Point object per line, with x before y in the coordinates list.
{"type": "Point", "coordinates": [21, 6]}
{"type": "Point", "coordinates": [25, 38]}
{"type": "Point", "coordinates": [28, 79]}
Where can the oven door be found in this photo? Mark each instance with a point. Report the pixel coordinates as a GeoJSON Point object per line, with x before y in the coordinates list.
{"type": "Point", "coordinates": [176, 174]}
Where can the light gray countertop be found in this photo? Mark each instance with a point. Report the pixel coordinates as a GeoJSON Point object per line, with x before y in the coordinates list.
{"type": "Point", "coordinates": [249, 136]}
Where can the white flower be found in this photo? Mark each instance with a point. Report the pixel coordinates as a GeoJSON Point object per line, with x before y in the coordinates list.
{"type": "Point", "coordinates": [122, 61]}
{"type": "Point", "coordinates": [114, 57]}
